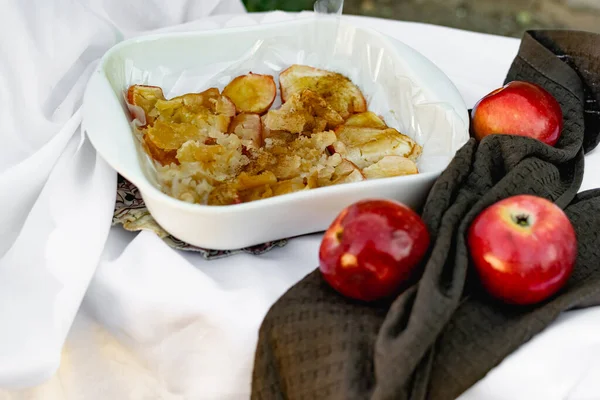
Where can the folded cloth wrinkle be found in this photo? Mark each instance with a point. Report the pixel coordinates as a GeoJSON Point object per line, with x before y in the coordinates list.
{"type": "Point", "coordinates": [58, 195]}
{"type": "Point", "coordinates": [443, 334]}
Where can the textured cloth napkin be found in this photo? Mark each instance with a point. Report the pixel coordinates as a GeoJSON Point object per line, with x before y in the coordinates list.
{"type": "Point", "coordinates": [444, 334]}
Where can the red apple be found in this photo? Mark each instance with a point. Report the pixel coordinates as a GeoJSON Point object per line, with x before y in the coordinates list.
{"type": "Point", "coordinates": [372, 248]}
{"type": "Point", "coordinates": [523, 248]}
{"type": "Point", "coordinates": [518, 108]}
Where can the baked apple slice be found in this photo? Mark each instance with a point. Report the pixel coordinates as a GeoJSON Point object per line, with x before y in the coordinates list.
{"type": "Point", "coordinates": [246, 181]}
{"type": "Point", "coordinates": [208, 110]}
{"type": "Point", "coordinates": [198, 103]}
{"type": "Point", "coordinates": [338, 91]}
{"type": "Point", "coordinates": [248, 127]}
{"type": "Point", "coordinates": [304, 112]}
{"type": "Point", "coordinates": [141, 100]}
{"type": "Point", "coordinates": [244, 188]}
{"type": "Point", "coordinates": [366, 120]}
{"type": "Point", "coordinates": [272, 189]}
{"type": "Point", "coordinates": [275, 135]}
{"type": "Point", "coordinates": [219, 162]}
{"type": "Point", "coordinates": [356, 136]}
{"type": "Point", "coordinates": [347, 172]}
{"type": "Point", "coordinates": [252, 93]}
{"type": "Point", "coordinates": [255, 187]}
{"type": "Point", "coordinates": [164, 157]}
{"type": "Point", "coordinates": [344, 172]}
{"type": "Point", "coordinates": [162, 140]}
{"type": "Point", "coordinates": [390, 166]}
{"type": "Point", "coordinates": [366, 146]}
{"type": "Point", "coordinates": [288, 186]}
{"type": "Point", "coordinates": [191, 117]}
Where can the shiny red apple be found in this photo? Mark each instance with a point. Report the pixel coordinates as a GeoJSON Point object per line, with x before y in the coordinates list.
{"type": "Point", "coordinates": [518, 108]}
{"type": "Point", "coordinates": [523, 248]}
{"type": "Point", "coordinates": [372, 248]}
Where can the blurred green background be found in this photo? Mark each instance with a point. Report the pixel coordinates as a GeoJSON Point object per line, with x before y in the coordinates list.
{"type": "Point", "coordinates": [500, 17]}
{"type": "Point", "coordinates": [287, 5]}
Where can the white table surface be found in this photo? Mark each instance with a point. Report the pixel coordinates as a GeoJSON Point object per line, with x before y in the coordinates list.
{"type": "Point", "coordinates": [160, 324]}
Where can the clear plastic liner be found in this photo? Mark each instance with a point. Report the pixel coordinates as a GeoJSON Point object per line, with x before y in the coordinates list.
{"type": "Point", "coordinates": [392, 88]}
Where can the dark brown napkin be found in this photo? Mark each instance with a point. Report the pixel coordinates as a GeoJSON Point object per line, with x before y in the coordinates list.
{"type": "Point", "coordinates": [444, 333]}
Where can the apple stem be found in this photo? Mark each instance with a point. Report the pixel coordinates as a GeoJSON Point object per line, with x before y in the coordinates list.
{"type": "Point", "coordinates": [521, 219]}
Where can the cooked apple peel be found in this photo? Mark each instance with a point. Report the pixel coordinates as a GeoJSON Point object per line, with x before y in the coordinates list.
{"type": "Point", "coordinates": [252, 93]}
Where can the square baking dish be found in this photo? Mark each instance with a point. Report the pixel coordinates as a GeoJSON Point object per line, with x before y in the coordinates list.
{"type": "Point", "coordinates": [421, 102]}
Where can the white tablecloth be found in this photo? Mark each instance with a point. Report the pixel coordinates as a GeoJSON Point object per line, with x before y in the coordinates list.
{"type": "Point", "coordinates": [160, 324]}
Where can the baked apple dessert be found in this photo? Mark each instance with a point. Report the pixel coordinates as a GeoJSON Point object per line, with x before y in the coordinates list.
{"type": "Point", "coordinates": [229, 147]}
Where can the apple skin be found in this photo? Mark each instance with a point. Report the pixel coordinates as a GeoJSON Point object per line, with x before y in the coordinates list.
{"type": "Point", "coordinates": [372, 248]}
{"type": "Point", "coordinates": [523, 248]}
{"type": "Point", "coordinates": [518, 108]}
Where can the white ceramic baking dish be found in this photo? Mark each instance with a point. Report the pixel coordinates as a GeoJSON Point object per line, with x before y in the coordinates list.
{"type": "Point", "coordinates": [422, 102]}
